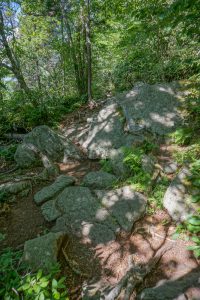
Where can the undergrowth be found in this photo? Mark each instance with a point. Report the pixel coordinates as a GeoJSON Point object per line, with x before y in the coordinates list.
{"type": "Point", "coordinates": [16, 282]}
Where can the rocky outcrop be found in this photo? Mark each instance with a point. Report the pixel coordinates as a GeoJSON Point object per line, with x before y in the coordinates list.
{"type": "Point", "coordinates": [42, 143]}
{"type": "Point", "coordinates": [151, 107]}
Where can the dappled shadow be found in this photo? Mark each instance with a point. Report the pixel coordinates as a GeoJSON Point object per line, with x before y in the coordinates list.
{"type": "Point", "coordinates": [152, 107]}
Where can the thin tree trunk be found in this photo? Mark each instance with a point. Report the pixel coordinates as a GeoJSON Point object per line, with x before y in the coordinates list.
{"type": "Point", "coordinates": [89, 52]}
{"type": "Point", "coordinates": [15, 65]}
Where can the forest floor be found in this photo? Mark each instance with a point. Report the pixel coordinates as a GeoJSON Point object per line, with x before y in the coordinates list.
{"type": "Point", "coordinates": [22, 220]}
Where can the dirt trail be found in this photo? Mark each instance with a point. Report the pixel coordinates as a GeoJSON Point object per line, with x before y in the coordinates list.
{"type": "Point", "coordinates": [23, 220]}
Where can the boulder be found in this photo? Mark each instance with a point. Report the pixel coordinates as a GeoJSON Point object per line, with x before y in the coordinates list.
{"type": "Point", "coordinates": [179, 289]}
{"type": "Point", "coordinates": [176, 199]}
{"type": "Point", "coordinates": [42, 252]}
{"type": "Point", "coordinates": [52, 190]}
{"type": "Point", "coordinates": [84, 217]}
{"type": "Point", "coordinates": [41, 143]}
{"type": "Point", "coordinates": [99, 180]}
{"type": "Point", "coordinates": [151, 107]}
{"type": "Point", "coordinates": [124, 204]}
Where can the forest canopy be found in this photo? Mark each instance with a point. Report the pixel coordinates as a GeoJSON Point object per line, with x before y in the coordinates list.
{"type": "Point", "coordinates": [57, 54]}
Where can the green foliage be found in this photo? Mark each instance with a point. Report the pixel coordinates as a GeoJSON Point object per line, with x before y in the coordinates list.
{"type": "Point", "coordinates": [196, 247]}
{"type": "Point", "coordinates": [10, 269]}
{"type": "Point", "coordinates": [156, 196]}
{"type": "Point", "coordinates": [8, 152]}
{"type": "Point", "coordinates": [133, 159]}
{"type": "Point", "coordinates": [139, 179]}
{"type": "Point", "coordinates": [41, 287]}
{"type": "Point", "coordinates": [16, 283]}
{"type": "Point", "coordinates": [106, 165]}
{"type": "Point", "coordinates": [187, 155]}
{"type": "Point", "coordinates": [182, 136]}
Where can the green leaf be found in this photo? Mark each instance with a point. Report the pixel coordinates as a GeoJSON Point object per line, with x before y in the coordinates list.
{"type": "Point", "coordinates": [196, 239]}
{"type": "Point", "coordinates": [41, 296]}
{"type": "Point", "coordinates": [44, 284]}
{"type": "Point", "coordinates": [39, 274]}
{"type": "Point", "coordinates": [54, 283]}
{"type": "Point", "coordinates": [56, 295]}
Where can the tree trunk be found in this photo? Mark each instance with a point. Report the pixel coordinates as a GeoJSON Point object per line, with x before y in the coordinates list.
{"type": "Point", "coordinates": [89, 52]}
{"type": "Point", "coordinates": [15, 65]}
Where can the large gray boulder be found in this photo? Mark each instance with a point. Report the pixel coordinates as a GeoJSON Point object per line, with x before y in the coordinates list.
{"type": "Point", "coordinates": [151, 107]}
{"type": "Point", "coordinates": [107, 132]}
{"type": "Point", "coordinates": [43, 143]}
{"type": "Point", "coordinates": [42, 252]}
{"type": "Point", "coordinates": [99, 180]}
{"type": "Point", "coordinates": [176, 199]}
{"type": "Point", "coordinates": [83, 216]}
{"type": "Point", "coordinates": [124, 204]}
{"type": "Point", "coordinates": [52, 190]}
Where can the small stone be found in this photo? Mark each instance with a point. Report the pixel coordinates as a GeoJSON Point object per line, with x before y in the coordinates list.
{"type": "Point", "coordinates": [170, 168]}
{"type": "Point", "coordinates": [50, 211]}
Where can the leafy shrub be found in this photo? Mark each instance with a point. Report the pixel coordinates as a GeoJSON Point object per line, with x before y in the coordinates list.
{"type": "Point", "coordinates": [182, 136]}
{"type": "Point", "coordinates": [16, 283]}
{"type": "Point", "coordinates": [187, 155]}
{"type": "Point", "coordinates": [10, 269]}
{"type": "Point", "coordinates": [40, 287]}
{"type": "Point", "coordinates": [8, 152]}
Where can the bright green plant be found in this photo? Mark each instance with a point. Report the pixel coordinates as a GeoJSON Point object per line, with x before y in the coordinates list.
{"type": "Point", "coordinates": [133, 159]}
{"type": "Point", "coordinates": [15, 285]}
{"type": "Point", "coordinates": [195, 248]}
{"type": "Point", "coordinates": [182, 136]}
{"type": "Point", "coordinates": [106, 165]}
{"type": "Point", "coordinates": [188, 155]}
{"type": "Point", "coordinates": [41, 287]}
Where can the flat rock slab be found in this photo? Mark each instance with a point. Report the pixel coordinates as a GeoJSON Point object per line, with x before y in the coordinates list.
{"type": "Point", "coordinates": [84, 216]}
{"type": "Point", "coordinates": [99, 180]}
{"type": "Point", "coordinates": [176, 197]}
{"type": "Point", "coordinates": [152, 107]}
{"type": "Point", "coordinates": [52, 190]}
{"type": "Point", "coordinates": [124, 204]}
{"type": "Point", "coordinates": [180, 289]}
{"type": "Point", "coordinates": [42, 252]}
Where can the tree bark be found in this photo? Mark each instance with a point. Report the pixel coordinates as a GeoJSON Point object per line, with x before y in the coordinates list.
{"type": "Point", "coordinates": [15, 65]}
{"type": "Point", "coordinates": [89, 52]}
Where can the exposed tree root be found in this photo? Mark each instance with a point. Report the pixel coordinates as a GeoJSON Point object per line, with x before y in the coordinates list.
{"type": "Point", "coordinates": [127, 285]}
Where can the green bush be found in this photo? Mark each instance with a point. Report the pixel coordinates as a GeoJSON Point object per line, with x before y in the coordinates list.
{"type": "Point", "coordinates": [17, 283]}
